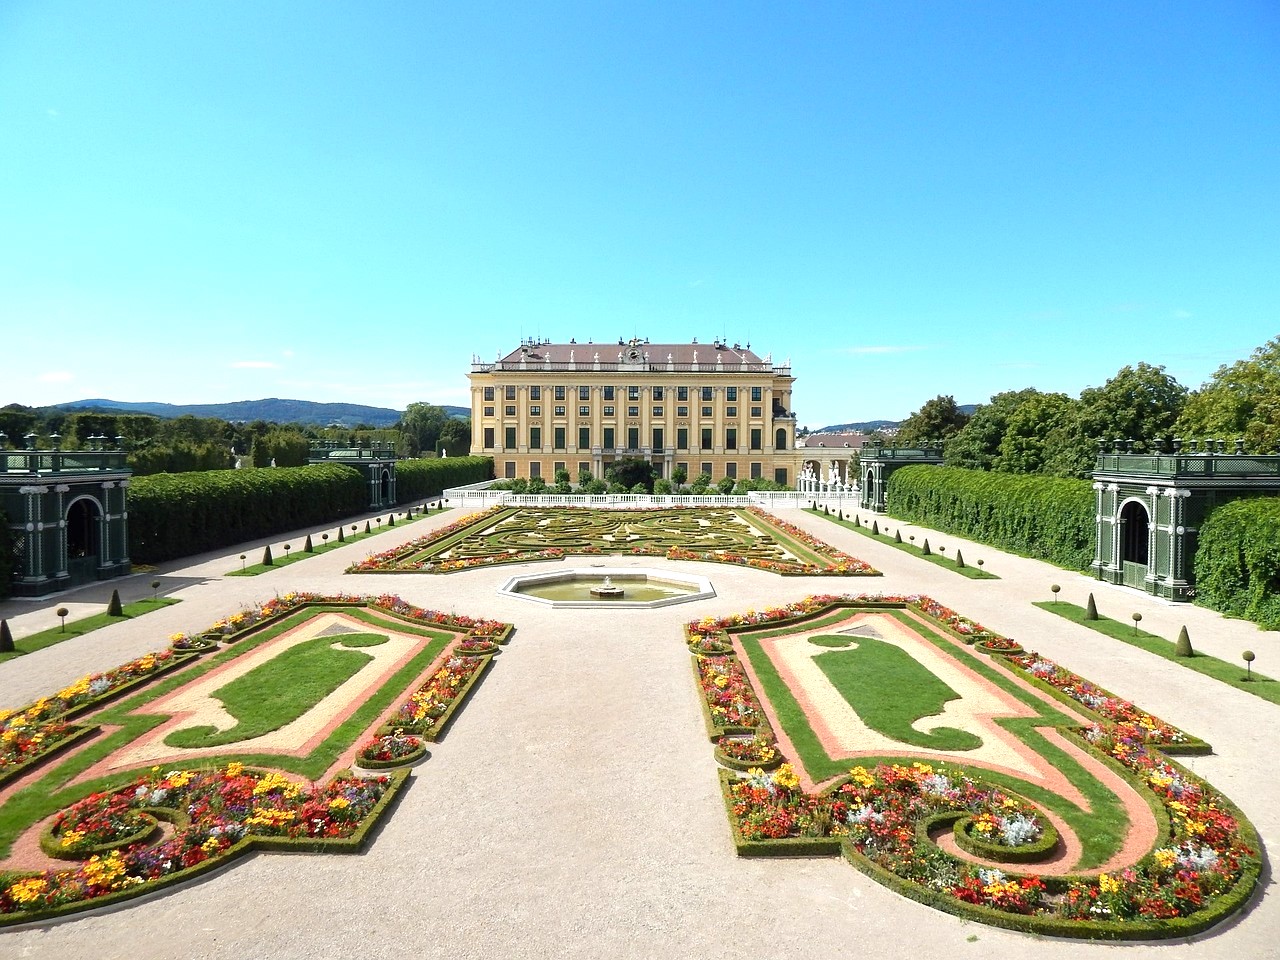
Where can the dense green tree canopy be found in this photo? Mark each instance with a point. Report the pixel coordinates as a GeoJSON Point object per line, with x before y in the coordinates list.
{"type": "Point", "coordinates": [977, 445]}
{"type": "Point", "coordinates": [938, 419]}
{"type": "Point", "coordinates": [1241, 401]}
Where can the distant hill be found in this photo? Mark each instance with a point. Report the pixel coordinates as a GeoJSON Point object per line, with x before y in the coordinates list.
{"type": "Point", "coordinates": [869, 426]}
{"type": "Point", "coordinates": [272, 409]}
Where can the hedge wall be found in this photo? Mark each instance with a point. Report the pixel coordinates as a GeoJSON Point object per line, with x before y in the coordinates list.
{"type": "Point", "coordinates": [179, 514]}
{"type": "Point", "coordinates": [6, 556]}
{"type": "Point", "coordinates": [420, 479]}
{"type": "Point", "coordinates": [1238, 561]}
{"type": "Point", "coordinates": [1048, 518]}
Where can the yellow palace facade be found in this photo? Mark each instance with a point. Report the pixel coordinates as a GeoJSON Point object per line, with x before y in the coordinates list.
{"type": "Point", "coordinates": [711, 408]}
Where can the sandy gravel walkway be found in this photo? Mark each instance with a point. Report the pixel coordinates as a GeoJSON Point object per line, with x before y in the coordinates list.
{"type": "Point", "coordinates": [573, 809]}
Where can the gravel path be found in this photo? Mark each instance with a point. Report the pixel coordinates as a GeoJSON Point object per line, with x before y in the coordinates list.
{"type": "Point", "coordinates": [573, 809]}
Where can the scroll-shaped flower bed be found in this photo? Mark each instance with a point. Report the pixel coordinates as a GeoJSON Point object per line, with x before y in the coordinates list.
{"type": "Point", "coordinates": [890, 818]}
{"type": "Point", "coordinates": [134, 833]}
{"type": "Point", "coordinates": [216, 814]}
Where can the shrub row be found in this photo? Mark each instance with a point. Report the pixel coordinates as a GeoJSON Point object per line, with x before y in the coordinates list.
{"type": "Point", "coordinates": [1238, 561]}
{"type": "Point", "coordinates": [179, 514]}
{"type": "Point", "coordinates": [420, 479]}
{"type": "Point", "coordinates": [1048, 518]}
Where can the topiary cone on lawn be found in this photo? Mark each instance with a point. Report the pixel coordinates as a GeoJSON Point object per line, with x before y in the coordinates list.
{"type": "Point", "coordinates": [875, 528]}
{"type": "Point", "coordinates": [857, 520]}
{"type": "Point", "coordinates": [307, 547]}
{"type": "Point", "coordinates": [925, 549]}
{"type": "Point", "coordinates": [1183, 647]}
{"type": "Point", "coordinates": [366, 526]}
{"type": "Point", "coordinates": [897, 536]}
{"type": "Point", "coordinates": [341, 538]}
{"type": "Point", "coordinates": [114, 609]}
{"type": "Point", "coordinates": [6, 637]}
{"type": "Point", "coordinates": [959, 559]}
{"type": "Point", "coordinates": [391, 520]}
{"type": "Point", "coordinates": [267, 560]}
{"type": "Point", "coordinates": [1091, 609]}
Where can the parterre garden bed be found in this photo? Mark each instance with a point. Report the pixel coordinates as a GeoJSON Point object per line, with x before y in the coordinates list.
{"type": "Point", "coordinates": [176, 763]}
{"type": "Point", "coordinates": [1148, 850]}
{"type": "Point", "coordinates": [748, 537]}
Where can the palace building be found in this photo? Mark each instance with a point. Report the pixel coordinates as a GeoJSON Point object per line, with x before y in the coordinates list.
{"type": "Point", "coordinates": [713, 408]}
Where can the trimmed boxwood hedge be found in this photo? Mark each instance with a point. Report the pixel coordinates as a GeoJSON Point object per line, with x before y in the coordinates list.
{"type": "Point", "coordinates": [1048, 518]}
{"type": "Point", "coordinates": [421, 479]}
{"type": "Point", "coordinates": [1238, 561]}
{"type": "Point", "coordinates": [177, 514]}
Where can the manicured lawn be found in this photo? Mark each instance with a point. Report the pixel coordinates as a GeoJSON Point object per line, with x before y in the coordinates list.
{"type": "Point", "coordinates": [940, 559]}
{"type": "Point", "coordinates": [890, 690]}
{"type": "Point", "coordinates": [282, 689]}
{"type": "Point", "coordinates": [78, 628]}
{"type": "Point", "coordinates": [1229, 673]}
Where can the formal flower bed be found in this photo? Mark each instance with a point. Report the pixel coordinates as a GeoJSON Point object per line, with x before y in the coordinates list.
{"type": "Point", "coordinates": [475, 647]}
{"type": "Point", "coordinates": [709, 645]}
{"type": "Point", "coordinates": [97, 822]}
{"type": "Point", "coordinates": [1106, 705]}
{"type": "Point", "coordinates": [731, 703]}
{"type": "Point", "coordinates": [390, 750]}
{"type": "Point", "coordinates": [37, 729]}
{"type": "Point", "coordinates": [425, 712]}
{"type": "Point", "coordinates": [744, 753]}
{"type": "Point", "coordinates": [1206, 866]}
{"type": "Point", "coordinates": [184, 643]}
{"type": "Point", "coordinates": [1000, 645]}
{"type": "Point", "coordinates": [213, 811]}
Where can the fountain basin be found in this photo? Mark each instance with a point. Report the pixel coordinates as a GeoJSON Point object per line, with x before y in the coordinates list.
{"type": "Point", "coordinates": [641, 589]}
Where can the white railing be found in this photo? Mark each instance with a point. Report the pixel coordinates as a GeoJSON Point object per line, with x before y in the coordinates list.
{"type": "Point", "coordinates": [478, 496]}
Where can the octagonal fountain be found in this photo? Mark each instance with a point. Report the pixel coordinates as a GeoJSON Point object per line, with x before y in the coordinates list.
{"type": "Point", "coordinates": [633, 588]}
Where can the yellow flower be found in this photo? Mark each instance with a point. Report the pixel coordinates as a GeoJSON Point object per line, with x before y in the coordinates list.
{"type": "Point", "coordinates": [71, 837]}
{"type": "Point", "coordinates": [28, 891]}
{"type": "Point", "coordinates": [339, 803]}
{"type": "Point", "coordinates": [105, 871]}
{"type": "Point", "coordinates": [235, 768]}
{"type": "Point", "coordinates": [1108, 884]}
{"type": "Point", "coordinates": [785, 777]}
{"type": "Point", "coordinates": [862, 778]}
{"type": "Point", "coordinates": [1165, 858]}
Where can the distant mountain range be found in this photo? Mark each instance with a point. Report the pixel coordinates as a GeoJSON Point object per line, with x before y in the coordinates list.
{"type": "Point", "coordinates": [870, 426]}
{"type": "Point", "coordinates": [272, 409]}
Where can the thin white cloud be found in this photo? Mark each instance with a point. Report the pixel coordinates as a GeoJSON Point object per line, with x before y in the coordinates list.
{"type": "Point", "coordinates": [254, 365]}
{"type": "Point", "coordinates": [869, 349]}
{"type": "Point", "coordinates": [57, 376]}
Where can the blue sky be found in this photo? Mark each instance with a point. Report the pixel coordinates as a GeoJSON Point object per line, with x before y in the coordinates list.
{"type": "Point", "coordinates": [344, 202]}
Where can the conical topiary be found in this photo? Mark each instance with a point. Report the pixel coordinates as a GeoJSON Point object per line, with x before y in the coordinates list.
{"type": "Point", "coordinates": [391, 520]}
{"type": "Point", "coordinates": [959, 559]}
{"type": "Point", "coordinates": [267, 560]}
{"type": "Point", "coordinates": [925, 549]}
{"type": "Point", "coordinates": [307, 547]}
{"type": "Point", "coordinates": [897, 536]}
{"type": "Point", "coordinates": [1183, 647]}
{"type": "Point", "coordinates": [857, 520]}
{"type": "Point", "coordinates": [341, 538]}
{"type": "Point", "coordinates": [366, 526]}
{"type": "Point", "coordinates": [114, 609]}
{"type": "Point", "coordinates": [6, 637]}
{"type": "Point", "coordinates": [1091, 609]}
{"type": "Point", "coordinates": [875, 528]}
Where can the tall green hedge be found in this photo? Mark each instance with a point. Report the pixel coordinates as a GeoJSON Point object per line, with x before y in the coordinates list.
{"type": "Point", "coordinates": [420, 479]}
{"type": "Point", "coordinates": [1238, 560]}
{"type": "Point", "coordinates": [1048, 518]}
{"type": "Point", "coordinates": [179, 514]}
{"type": "Point", "coordinates": [6, 556]}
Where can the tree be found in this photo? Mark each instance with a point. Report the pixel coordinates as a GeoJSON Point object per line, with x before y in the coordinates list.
{"type": "Point", "coordinates": [1242, 401]}
{"type": "Point", "coordinates": [679, 475]}
{"type": "Point", "coordinates": [420, 428]}
{"type": "Point", "coordinates": [977, 445]}
{"type": "Point", "coordinates": [629, 471]}
{"type": "Point", "coordinates": [1026, 444]}
{"type": "Point", "coordinates": [938, 419]}
{"type": "Point", "coordinates": [455, 437]}
{"type": "Point", "coordinates": [584, 477]}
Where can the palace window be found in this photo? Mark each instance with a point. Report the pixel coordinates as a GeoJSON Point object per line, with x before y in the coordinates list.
{"type": "Point", "coordinates": [560, 410]}
{"type": "Point", "coordinates": [584, 410]}
{"type": "Point", "coordinates": [511, 393]}
{"type": "Point", "coordinates": [731, 394]}
{"type": "Point", "coordinates": [509, 410]}
{"type": "Point", "coordinates": [707, 394]}
{"type": "Point", "coordinates": [535, 410]}
{"type": "Point", "coordinates": [509, 438]}
{"type": "Point", "coordinates": [656, 393]}
{"type": "Point", "coordinates": [559, 393]}
{"type": "Point", "coordinates": [633, 411]}
{"type": "Point", "coordinates": [488, 393]}
{"type": "Point", "coordinates": [706, 438]}
{"type": "Point", "coordinates": [682, 411]}
{"type": "Point", "coordinates": [535, 393]}
{"type": "Point", "coordinates": [682, 393]}
{"type": "Point", "coordinates": [557, 442]}
{"type": "Point", "coordinates": [584, 393]}
{"type": "Point", "coordinates": [731, 439]}
{"type": "Point", "coordinates": [488, 411]}
{"type": "Point", "coordinates": [682, 438]}
{"type": "Point", "coordinates": [657, 411]}
{"type": "Point", "coordinates": [607, 392]}
{"type": "Point", "coordinates": [584, 438]}
{"type": "Point", "coordinates": [608, 410]}
{"type": "Point", "coordinates": [535, 438]}
{"type": "Point", "coordinates": [756, 395]}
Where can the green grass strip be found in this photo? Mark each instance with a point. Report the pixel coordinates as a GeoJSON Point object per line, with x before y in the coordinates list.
{"type": "Point", "coordinates": [296, 556]}
{"type": "Point", "coordinates": [938, 559]}
{"type": "Point", "coordinates": [281, 690]}
{"type": "Point", "coordinates": [890, 690]}
{"type": "Point", "coordinates": [1222, 670]}
{"type": "Point", "coordinates": [78, 628]}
